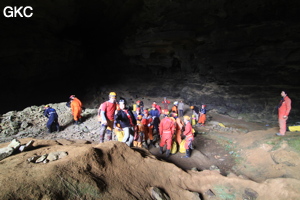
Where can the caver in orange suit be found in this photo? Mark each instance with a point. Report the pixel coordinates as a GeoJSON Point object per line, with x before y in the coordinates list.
{"type": "Point", "coordinates": [179, 125]}
{"type": "Point", "coordinates": [148, 127]}
{"type": "Point", "coordinates": [76, 109]}
{"type": "Point", "coordinates": [166, 131]}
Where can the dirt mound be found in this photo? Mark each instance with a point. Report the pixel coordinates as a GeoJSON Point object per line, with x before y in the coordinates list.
{"type": "Point", "coordinates": [112, 170]}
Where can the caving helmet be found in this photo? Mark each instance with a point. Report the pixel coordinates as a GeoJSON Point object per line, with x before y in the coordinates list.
{"type": "Point", "coordinates": [112, 95]}
{"type": "Point", "coordinates": [187, 117]}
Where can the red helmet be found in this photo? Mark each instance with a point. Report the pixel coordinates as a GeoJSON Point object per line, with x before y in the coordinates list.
{"type": "Point", "coordinates": [146, 111]}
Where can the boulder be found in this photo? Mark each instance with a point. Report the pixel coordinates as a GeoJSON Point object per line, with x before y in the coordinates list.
{"type": "Point", "coordinates": [15, 144]}
{"type": "Point", "coordinates": [56, 155]}
{"type": "Point", "coordinates": [5, 152]}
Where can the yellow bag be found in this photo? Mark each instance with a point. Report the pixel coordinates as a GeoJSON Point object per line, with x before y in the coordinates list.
{"type": "Point", "coordinates": [134, 107]}
{"type": "Point", "coordinates": [222, 125]}
{"type": "Point", "coordinates": [294, 128]}
{"type": "Point", "coordinates": [174, 148]}
{"type": "Point", "coordinates": [119, 134]}
{"type": "Point", "coordinates": [193, 120]}
{"type": "Point", "coordinates": [181, 148]}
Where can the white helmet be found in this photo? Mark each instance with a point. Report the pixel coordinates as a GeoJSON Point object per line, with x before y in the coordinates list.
{"type": "Point", "coordinates": [176, 103]}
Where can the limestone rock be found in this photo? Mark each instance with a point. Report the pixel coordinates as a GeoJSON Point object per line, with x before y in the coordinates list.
{"type": "Point", "coordinates": [5, 152]}
{"type": "Point", "coordinates": [33, 159]}
{"type": "Point", "coordinates": [158, 194]}
{"type": "Point", "coordinates": [15, 144]}
{"type": "Point", "coordinates": [41, 159]}
{"type": "Point", "coordinates": [26, 146]}
{"type": "Point", "coordinates": [56, 155]}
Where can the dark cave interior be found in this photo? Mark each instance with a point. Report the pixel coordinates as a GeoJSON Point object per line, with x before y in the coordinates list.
{"type": "Point", "coordinates": [249, 49]}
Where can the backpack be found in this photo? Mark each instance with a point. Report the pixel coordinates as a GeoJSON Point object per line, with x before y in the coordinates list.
{"type": "Point", "coordinates": [182, 148]}
{"type": "Point", "coordinates": [174, 147]}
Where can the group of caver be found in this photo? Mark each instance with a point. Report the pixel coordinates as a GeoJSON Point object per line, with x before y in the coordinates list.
{"type": "Point", "coordinates": [138, 125]}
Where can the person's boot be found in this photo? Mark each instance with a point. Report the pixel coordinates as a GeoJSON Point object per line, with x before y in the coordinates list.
{"type": "Point", "coordinates": [57, 128]}
{"type": "Point", "coordinates": [168, 153]}
{"type": "Point", "coordinates": [187, 154]}
{"type": "Point", "coordinates": [151, 143]}
{"type": "Point", "coordinates": [108, 134]}
{"type": "Point", "coordinates": [161, 150]}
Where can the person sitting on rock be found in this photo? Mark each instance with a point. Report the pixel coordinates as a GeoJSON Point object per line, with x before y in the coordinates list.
{"type": "Point", "coordinates": [52, 116]}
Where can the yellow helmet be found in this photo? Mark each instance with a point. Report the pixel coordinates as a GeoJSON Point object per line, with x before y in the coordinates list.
{"type": "Point", "coordinates": [187, 117]}
{"type": "Point", "coordinates": [113, 94]}
{"type": "Point", "coordinates": [46, 106]}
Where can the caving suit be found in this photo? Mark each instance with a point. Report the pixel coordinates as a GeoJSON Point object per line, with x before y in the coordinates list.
{"type": "Point", "coordinates": [127, 122]}
{"type": "Point", "coordinates": [202, 117]}
{"type": "Point", "coordinates": [179, 125]}
{"type": "Point", "coordinates": [148, 128]}
{"type": "Point", "coordinates": [189, 137]}
{"type": "Point", "coordinates": [52, 116]}
{"type": "Point", "coordinates": [155, 116]}
{"type": "Point", "coordinates": [76, 109]}
{"type": "Point", "coordinates": [166, 131]}
{"type": "Point", "coordinates": [107, 120]}
{"type": "Point", "coordinates": [284, 109]}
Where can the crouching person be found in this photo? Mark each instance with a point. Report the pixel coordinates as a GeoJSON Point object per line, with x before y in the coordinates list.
{"type": "Point", "coordinates": [127, 122]}
{"type": "Point", "coordinates": [189, 136]}
{"type": "Point", "coordinates": [52, 116]}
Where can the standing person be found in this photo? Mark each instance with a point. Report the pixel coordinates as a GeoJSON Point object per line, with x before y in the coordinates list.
{"type": "Point", "coordinates": [195, 110]}
{"type": "Point", "coordinates": [154, 112]}
{"type": "Point", "coordinates": [175, 108]}
{"type": "Point", "coordinates": [284, 109]}
{"type": "Point", "coordinates": [179, 125]}
{"type": "Point", "coordinates": [166, 131]}
{"type": "Point", "coordinates": [139, 132]}
{"type": "Point", "coordinates": [147, 121]}
{"type": "Point", "coordinates": [52, 116]}
{"type": "Point", "coordinates": [166, 103]}
{"type": "Point", "coordinates": [180, 108]}
{"type": "Point", "coordinates": [140, 104]}
{"type": "Point", "coordinates": [107, 112]}
{"type": "Point", "coordinates": [202, 117]}
{"type": "Point", "coordinates": [189, 136]}
{"type": "Point", "coordinates": [76, 107]}
{"type": "Point", "coordinates": [127, 122]}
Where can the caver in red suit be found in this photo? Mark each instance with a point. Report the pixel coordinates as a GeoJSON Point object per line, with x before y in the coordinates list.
{"type": "Point", "coordinates": [189, 136]}
{"type": "Point", "coordinates": [166, 131]}
{"type": "Point", "coordinates": [284, 109]}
